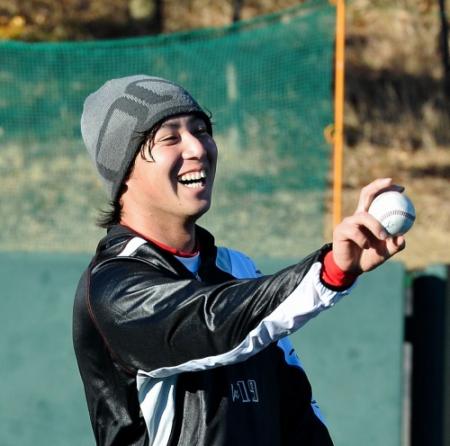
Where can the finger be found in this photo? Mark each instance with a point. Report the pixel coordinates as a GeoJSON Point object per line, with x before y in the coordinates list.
{"type": "Point", "coordinates": [393, 246]}
{"type": "Point", "coordinates": [364, 220]}
{"type": "Point", "coordinates": [376, 187]}
{"type": "Point", "coordinates": [355, 234]}
{"type": "Point", "coordinates": [396, 244]}
{"type": "Point", "coordinates": [369, 192]}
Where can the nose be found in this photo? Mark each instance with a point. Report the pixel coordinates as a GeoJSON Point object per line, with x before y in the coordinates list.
{"type": "Point", "coordinates": [193, 146]}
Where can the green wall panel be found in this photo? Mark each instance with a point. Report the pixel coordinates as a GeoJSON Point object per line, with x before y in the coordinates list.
{"type": "Point", "coordinates": [42, 399]}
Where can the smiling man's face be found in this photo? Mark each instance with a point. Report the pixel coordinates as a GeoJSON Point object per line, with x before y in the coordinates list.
{"type": "Point", "coordinates": [175, 179]}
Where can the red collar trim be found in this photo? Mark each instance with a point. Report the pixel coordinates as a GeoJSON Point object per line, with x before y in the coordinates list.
{"type": "Point", "coordinates": [167, 248]}
{"type": "Point", "coordinates": [174, 251]}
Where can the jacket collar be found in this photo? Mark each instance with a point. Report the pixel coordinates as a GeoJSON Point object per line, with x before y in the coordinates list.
{"type": "Point", "coordinates": [118, 236]}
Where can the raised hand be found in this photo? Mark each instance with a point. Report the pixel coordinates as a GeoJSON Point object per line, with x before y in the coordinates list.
{"type": "Point", "coordinates": [359, 242]}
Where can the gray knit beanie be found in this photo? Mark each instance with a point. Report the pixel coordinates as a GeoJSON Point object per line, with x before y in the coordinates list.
{"type": "Point", "coordinates": [116, 117]}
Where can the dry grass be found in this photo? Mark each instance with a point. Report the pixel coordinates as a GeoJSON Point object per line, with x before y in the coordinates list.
{"type": "Point", "coordinates": [425, 173]}
{"type": "Point", "coordinates": [397, 117]}
{"type": "Point", "coordinates": [37, 20]}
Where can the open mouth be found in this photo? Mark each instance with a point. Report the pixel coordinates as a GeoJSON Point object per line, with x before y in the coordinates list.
{"type": "Point", "coordinates": [193, 179]}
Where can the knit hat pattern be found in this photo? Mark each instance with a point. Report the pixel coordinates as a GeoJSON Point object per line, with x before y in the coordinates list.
{"type": "Point", "coordinates": [116, 117]}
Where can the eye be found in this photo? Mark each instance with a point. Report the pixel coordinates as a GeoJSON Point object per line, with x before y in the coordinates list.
{"type": "Point", "coordinates": [168, 138]}
{"type": "Point", "coordinates": [201, 130]}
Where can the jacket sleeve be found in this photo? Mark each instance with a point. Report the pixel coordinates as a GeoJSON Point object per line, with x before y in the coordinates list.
{"type": "Point", "coordinates": [160, 324]}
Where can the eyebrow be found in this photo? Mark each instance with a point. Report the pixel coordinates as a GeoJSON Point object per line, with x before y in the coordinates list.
{"type": "Point", "coordinates": [176, 124]}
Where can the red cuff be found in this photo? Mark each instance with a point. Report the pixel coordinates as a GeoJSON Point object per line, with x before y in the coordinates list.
{"type": "Point", "coordinates": [333, 276]}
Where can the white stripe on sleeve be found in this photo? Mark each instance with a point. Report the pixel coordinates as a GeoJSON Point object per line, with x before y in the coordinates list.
{"type": "Point", "coordinates": [305, 302]}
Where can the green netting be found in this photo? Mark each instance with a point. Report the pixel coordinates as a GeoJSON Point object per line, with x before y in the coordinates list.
{"type": "Point", "coordinates": [267, 83]}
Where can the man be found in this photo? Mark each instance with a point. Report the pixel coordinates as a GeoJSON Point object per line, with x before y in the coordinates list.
{"type": "Point", "coordinates": [180, 342]}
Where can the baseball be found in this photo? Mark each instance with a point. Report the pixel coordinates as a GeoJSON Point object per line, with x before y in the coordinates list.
{"type": "Point", "coordinates": [394, 211]}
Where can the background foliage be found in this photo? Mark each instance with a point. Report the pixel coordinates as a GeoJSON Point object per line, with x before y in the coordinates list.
{"type": "Point", "coordinates": [397, 113]}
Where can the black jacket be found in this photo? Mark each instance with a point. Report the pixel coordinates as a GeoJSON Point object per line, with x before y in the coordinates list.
{"type": "Point", "coordinates": [172, 357]}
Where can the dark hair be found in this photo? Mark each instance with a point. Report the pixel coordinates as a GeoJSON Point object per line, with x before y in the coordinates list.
{"type": "Point", "coordinates": [113, 215]}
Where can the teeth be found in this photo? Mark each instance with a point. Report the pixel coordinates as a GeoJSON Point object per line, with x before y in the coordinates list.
{"type": "Point", "coordinates": [194, 185]}
{"type": "Point", "coordinates": [193, 176]}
